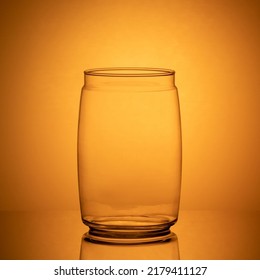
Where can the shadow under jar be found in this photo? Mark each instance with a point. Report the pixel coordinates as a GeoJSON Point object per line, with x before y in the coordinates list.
{"type": "Point", "coordinates": [129, 154]}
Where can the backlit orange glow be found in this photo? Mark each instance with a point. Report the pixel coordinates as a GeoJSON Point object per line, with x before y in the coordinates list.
{"type": "Point", "coordinates": [212, 45]}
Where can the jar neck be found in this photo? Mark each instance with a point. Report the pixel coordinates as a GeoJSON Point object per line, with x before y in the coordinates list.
{"type": "Point", "coordinates": [130, 79]}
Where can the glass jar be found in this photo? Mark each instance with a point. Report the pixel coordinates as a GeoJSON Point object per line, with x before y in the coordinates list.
{"type": "Point", "coordinates": [129, 154]}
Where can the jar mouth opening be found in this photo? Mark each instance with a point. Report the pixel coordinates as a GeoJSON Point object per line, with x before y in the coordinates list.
{"type": "Point", "coordinates": [129, 72]}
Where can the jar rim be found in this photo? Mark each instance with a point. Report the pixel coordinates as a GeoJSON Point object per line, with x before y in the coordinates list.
{"type": "Point", "coordinates": [129, 72]}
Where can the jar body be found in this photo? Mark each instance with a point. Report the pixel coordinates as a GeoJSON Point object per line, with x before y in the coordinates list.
{"type": "Point", "coordinates": [129, 155]}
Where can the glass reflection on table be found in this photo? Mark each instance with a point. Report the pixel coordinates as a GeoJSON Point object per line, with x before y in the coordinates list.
{"type": "Point", "coordinates": [166, 250]}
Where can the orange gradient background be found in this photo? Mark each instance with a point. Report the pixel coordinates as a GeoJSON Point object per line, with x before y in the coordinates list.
{"type": "Point", "coordinates": [212, 45]}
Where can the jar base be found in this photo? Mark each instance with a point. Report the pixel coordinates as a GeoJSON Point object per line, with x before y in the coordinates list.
{"type": "Point", "coordinates": [129, 229]}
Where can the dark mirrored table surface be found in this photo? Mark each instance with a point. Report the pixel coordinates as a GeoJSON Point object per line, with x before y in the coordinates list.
{"type": "Point", "coordinates": [197, 235]}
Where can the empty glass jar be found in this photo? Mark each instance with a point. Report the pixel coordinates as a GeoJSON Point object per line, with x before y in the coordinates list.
{"type": "Point", "coordinates": [129, 154]}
